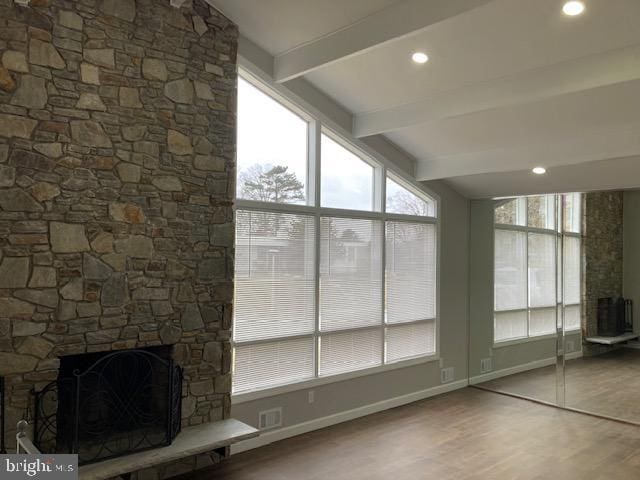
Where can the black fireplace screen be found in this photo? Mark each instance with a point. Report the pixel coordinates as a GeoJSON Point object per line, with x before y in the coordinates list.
{"type": "Point", "coordinates": [108, 405]}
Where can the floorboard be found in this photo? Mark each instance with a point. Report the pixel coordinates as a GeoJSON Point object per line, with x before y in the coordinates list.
{"type": "Point", "coordinates": [468, 434]}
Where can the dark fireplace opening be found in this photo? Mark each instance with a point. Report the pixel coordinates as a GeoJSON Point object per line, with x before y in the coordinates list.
{"type": "Point", "coordinates": [105, 405]}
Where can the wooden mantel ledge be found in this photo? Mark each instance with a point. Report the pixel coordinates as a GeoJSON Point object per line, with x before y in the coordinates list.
{"type": "Point", "coordinates": [190, 441]}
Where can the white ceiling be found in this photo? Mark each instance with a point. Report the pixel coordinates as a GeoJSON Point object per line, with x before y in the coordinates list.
{"type": "Point", "coordinates": [510, 83]}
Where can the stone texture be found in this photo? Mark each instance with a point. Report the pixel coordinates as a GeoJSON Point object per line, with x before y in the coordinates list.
{"type": "Point", "coordinates": [122, 9]}
{"type": "Point", "coordinates": [12, 307]}
{"type": "Point", "coordinates": [154, 69]}
{"type": "Point", "coordinates": [95, 269]}
{"type": "Point", "coordinates": [129, 97]}
{"type": "Point", "coordinates": [68, 238]}
{"type": "Point", "coordinates": [179, 143]}
{"type": "Point", "coordinates": [91, 101]}
{"type": "Point", "coordinates": [128, 172]}
{"type": "Point", "coordinates": [16, 61]}
{"type": "Point", "coordinates": [52, 150]}
{"type": "Point", "coordinates": [135, 246]}
{"type": "Point", "coordinates": [603, 255]}
{"type": "Point", "coordinates": [17, 200]}
{"type": "Point", "coordinates": [180, 91]}
{"type": "Point", "coordinates": [36, 346]}
{"type": "Point", "coordinates": [15, 126]}
{"type": "Point", "coordinates": [89, 134]}
{"type": "Point", "coordinates": [31, 93]}
{"type": "Point", "coordinates": [191, 318]}
{"type": "Point", "coordinates": [199, 26]}
{"type": "Point", "coordinates": [215, 69]}
{"type": "Point", "coordinates": [103, 57]}
{"type": "Point", "coordinates": [103, 243]}
{"type": "Point", "coordinates": [209, 163]}
{"type": "Point", "coordinates": [7, 176]}
{"type": "Point", "coordinates": [11, 363]}
{"type": "Point", "coordinates": [115, 291]}
{"type": "Point", "coordinates": [126, 212]}
{"type": "Point", "coordinates": [167, 183]}
{"type": "Point", "coordinates": [46, 298]}
{"type": "Point", "coordinates": [7, 83]}
{"type": "Point", "coordinates": [203, 91]}
{"type": "Point", "coordinates": [73, 290]}
{"type": "Point", "coordinates": [111, 211]}
{"type": "Point", "coordinates": [45, 54]}
{"type": "Point", "coordinates": [90, 74]}
{"type": "Point", "coordinates": [70, 19]}
{"type": "Point", "coordinates": [44, 191]}
{"type": "Point", "coordinates": [43, 277]}
{"type": "Point", "coordinates": [14, 272]}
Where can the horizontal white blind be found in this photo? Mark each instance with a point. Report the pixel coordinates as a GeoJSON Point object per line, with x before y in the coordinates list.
{"type": "Point", "coordinates": [350, 273]}
{"type": "Point", "coordinates": [411, 271]}
{"type": "Point", "coordinates": [572, 278]}
{"type": "Point", "coordinates": [542, 270]}
{"type": "Point", "coordinates": [350, 351]}
{"type": "Point", "coordinates": [263, 365]}
{"type": "Point", "coordinates": [275, 275]}
{"type": "Point", "coordinates": [510, 325]}
{"type": "Point", "coordinates": [542, 321]}
{"type": "Point", "coordinates": [411, 340]}
{"type": "Point", "coordinates": [572, 317]}
{"type": "Point", "coordinates": [510, 270]}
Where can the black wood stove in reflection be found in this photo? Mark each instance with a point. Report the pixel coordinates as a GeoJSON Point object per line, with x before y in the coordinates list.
{"type": "Point", "coordinates": [105, 405]}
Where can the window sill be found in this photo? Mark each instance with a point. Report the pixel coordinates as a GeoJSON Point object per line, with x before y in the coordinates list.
{"type": "Point", "coordinates": [518, 341]}
{"type": "Point", "coordinates": [316, 382]}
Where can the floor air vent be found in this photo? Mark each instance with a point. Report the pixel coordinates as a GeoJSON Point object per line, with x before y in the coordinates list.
{"type": "Point", "coordinates": [270, 418]}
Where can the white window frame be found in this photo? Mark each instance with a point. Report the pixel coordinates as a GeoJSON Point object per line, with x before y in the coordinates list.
{"type": "Point", "coordinates": [318, 125]}
{"type": "Point", "coordinates": [559, 233]}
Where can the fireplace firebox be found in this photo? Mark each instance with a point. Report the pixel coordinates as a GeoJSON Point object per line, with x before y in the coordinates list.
{"type": "Point", "coordinates": [105, 405]}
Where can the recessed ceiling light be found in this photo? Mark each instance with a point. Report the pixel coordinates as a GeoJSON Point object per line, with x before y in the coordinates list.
{"type": "Point", "coordinates": [573, 8]}
{"type": "Point", "coordinates": [420, 57]}
{"type": "Point", "coordinates": [539, 170]}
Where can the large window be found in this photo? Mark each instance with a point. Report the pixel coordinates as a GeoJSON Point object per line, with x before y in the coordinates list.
{"type": "Point", "coordinates": [336, 258]}
{"type": "Point", "coordinates": [526, 268]}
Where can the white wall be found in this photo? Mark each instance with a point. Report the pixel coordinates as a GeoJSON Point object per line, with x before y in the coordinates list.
{"type": "Point", "coordinates": [631, 252]}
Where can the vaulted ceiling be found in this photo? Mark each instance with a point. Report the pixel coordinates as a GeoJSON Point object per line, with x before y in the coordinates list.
{"type": "Point", "coordinates": [510, 84]}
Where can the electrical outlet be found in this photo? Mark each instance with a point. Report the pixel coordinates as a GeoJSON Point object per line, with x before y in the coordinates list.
{"type": "Point", "coordinates": [486, 365]}
{"type": "Point", "coordinates": [268, 419]}
{"type": "Point", "coordinates": [570, 346]}
{"type": "Point", "coordinates": [441, 362]}
{"type": "Point", "coordinates": [312, 396]}
{"type": "Point", "coordinates": [447, 375]}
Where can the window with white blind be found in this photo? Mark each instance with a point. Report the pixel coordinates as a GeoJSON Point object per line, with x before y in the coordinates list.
{"type": "Point", "coordinates": [526, 273]}
{"type": "Point", "coordinates": [336, 264]}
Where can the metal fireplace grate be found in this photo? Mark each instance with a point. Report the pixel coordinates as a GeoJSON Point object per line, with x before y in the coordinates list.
{"type": "Point", "coordinates": [107, 405]}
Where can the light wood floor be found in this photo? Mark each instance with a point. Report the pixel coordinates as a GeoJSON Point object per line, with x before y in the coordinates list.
{"type": "Point", "coordinates": [464, 435]}
{"type": "Point", "coordinates": [606, 384]}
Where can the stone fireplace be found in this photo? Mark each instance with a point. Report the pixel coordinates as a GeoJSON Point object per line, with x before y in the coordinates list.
{"type": "Point", "coordinates": [117, 174]}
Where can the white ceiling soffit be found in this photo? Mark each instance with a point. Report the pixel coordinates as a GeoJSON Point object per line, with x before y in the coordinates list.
{"type": "Point", "coordinates": [393, 23]}
{"type": "Point", "coordinates": [610, 174]}
{"type": "Point", "coordinates": [608, 68]}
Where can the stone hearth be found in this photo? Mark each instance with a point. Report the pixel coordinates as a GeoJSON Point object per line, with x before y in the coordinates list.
{"type": "Point", "coordinates": [117, 174]}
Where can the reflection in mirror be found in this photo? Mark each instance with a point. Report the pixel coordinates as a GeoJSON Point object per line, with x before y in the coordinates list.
{"type": "Point", "coordinates": [516, 353]}
{"type": "Point", "coordinates": [605, 380]}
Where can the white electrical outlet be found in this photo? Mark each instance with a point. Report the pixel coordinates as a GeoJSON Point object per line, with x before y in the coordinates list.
{"type": "Point", "coordinates": [486, 365]}
{"type": "Point", "coordinates": [312, 396]}
{"type": "Point", "coordinates": [447, 375]}
{"type": "Point", "coordinates": [570, 346]}
{"type": "Point", "coordinates": [270, 418]}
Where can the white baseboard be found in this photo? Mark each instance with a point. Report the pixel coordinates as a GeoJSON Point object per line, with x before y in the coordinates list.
{"type": "Point", "coordinates": [545, 362]}
{"type": "Point", "coordinates": [318, 423]}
